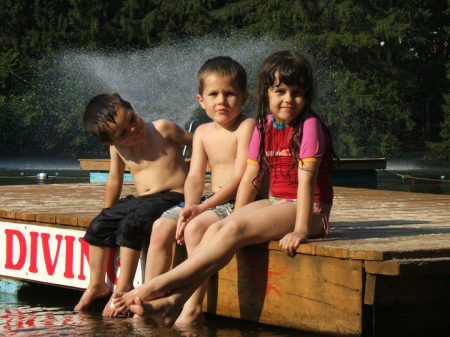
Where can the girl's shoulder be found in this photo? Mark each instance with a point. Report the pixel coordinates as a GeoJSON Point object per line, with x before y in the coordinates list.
{"type": "Point", "coordinates": [312, 122]}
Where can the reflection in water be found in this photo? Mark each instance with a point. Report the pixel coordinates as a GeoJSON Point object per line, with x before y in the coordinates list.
{"type": "Point", "coordinates": [41, 310]}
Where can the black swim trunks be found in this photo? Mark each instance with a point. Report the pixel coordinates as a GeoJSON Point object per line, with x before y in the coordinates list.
{"type": "Point", "coordinates": [125, 223]}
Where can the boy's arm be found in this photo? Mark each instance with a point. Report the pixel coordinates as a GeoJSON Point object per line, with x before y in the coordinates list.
{"type": "Point", "coordinates": [176, 133]}
{"type": "Point", "coordinates": [194, 184]}
{"type": "Point", "coordinates": [229, 189]}
{"type": "Point", "coordinates": [115, 178]}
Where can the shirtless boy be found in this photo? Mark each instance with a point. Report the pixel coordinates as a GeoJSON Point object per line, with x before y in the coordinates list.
{"type": "Point", "coordinates": [224, 142]}
{"type": "Point", "coordinates": [152, 152]}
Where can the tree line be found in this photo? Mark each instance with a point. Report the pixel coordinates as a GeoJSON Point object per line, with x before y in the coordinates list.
{"type": "Point", "coordinates": [389, 60]}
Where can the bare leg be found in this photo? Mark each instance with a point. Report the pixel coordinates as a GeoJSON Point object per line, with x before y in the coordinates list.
{"type": "Point", "coordinates": [159, 256]}
{"type": "Point", "coordinates": [129, 259]}
{"type": "Point", "coordinates": [255, 223]}
{"type": "Point", "coordinates": [192, 312]}
{"type": "Point", "coordinates": [97, 288]}
{"type": "Point", "coordinates": [255, 226]}
{"type": "Point", "coordinates": [164, 311]}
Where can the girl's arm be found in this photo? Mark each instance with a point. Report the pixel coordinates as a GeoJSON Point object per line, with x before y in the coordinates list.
{"type": "Point", "coordinates": [247, 192]}
{"type": "Point", "coordinates": [307, 174]}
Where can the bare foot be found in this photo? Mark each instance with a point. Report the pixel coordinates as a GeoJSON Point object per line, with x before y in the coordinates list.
{"type": "Point", "coordinates": [162, 310]}
{"type": "Point", "coordinates": [91, 294]}
{"type": "Point", "coordinates": [111, 308]}
{"type": "Point", "coordinates": [190, 316]}
{"type": "Point", "coordinates": [121, 300]}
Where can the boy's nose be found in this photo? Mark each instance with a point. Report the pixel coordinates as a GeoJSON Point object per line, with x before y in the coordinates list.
{"type": "Point", "coordinates": [221, 98]}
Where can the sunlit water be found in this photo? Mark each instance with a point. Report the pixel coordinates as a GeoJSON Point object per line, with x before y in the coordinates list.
{"type": "Point", "coordinates": [38, 310]}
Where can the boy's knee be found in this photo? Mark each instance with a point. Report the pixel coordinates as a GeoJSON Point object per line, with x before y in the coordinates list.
{"type": "Point", "coordinates": [95, 228]}
{"type": "Point", "coordinates": [163, 227]}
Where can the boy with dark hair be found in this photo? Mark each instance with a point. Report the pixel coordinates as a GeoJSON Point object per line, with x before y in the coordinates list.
{"type": "Point", "coordinates": [153, 155]}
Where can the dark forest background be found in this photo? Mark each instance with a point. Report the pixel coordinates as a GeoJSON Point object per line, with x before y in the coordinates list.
{"type": "Point", "coordinates": [391, 56]}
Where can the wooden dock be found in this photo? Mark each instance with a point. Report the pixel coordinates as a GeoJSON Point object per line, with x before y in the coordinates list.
{"type": "Point", "coordinates": [383, 270]}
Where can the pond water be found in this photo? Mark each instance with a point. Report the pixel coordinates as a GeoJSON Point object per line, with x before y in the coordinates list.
{"type": "Point", "coordinates": [40, 310]}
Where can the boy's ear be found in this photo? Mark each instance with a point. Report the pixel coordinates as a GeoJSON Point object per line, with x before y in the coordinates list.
{"type": "Point", "coordinates": [200, 100]}
{"type": "Point", "coordinates": [245, 98]}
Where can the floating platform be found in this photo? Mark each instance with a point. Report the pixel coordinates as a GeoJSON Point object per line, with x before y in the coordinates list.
{"type": "Point", "coordinates": [383, 270]}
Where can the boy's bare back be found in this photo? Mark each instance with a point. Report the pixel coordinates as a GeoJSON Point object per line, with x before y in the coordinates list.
{"type": "Point", "coordinates": [222, 148]}
{"type": "Point", "coordinates": [157, 164]}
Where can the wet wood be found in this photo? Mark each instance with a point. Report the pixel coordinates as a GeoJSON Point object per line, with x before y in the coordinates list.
{"type": "Point", "coordinates": [310, 293]}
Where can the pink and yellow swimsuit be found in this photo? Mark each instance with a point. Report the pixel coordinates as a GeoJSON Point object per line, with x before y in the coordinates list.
{"type": "Point", "coordinates": [283, 177]}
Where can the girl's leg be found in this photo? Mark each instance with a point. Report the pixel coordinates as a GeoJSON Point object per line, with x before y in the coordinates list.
{"type": "Point", "coordinates": [256, 223]}
{"type": "Point", "coordinates": [159, 255]}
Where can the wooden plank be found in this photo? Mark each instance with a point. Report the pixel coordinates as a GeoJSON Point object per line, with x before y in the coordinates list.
{"type": "Point", "coordinates": [8, 214]}
{"type": "Point", "coordinates": [25, 216]}
{"type": "Point", "coordinates": [427, 288]}
{"type": "Point", "coordinates": [408, 267]}
{"type": "Point", "coordinates": [67, 220]}
{"type": "Point", "coordinates": [45, 218]}
{"type": "Point", "coordinates": [310, 293]}
{"type": "Point", "coordinates": [84, 223]}
{"type": "Point", "coordinates": [369, 289]}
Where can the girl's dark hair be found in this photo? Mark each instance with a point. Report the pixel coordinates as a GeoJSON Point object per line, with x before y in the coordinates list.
{"type": "Point", "coordinates": [290, 68]}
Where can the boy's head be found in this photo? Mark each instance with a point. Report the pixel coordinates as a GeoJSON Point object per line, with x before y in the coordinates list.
{"type": "Point", "coordinates": [101, 110]}
{"type": "Point", "coordinates": [222, 85]}
{"type": "Point", "coordinates": [223, 66]}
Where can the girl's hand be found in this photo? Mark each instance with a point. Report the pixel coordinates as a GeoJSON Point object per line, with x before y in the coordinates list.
{"type": "Point", "coordinates": [291, 241]}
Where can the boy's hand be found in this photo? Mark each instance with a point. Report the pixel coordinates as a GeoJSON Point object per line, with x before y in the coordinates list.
{"type": "Point", "coordinates": [291, 241]}
{"type": "Point", "coordinates": [186, 215]}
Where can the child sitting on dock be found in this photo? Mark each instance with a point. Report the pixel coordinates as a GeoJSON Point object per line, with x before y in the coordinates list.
{"type": "Point", "coordinates": [295, 146]}
{"type": "Point", "coordinates": [222, 85]}
{"type": "Point", "coordinates": [154, 157]}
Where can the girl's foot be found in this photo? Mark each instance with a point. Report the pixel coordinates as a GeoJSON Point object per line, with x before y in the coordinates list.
{"type": "Point", "coordinates": [190, 317]}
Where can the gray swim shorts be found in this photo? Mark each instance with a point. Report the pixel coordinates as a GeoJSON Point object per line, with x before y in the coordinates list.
{"type": "Point", "coordinates": [222, 211]}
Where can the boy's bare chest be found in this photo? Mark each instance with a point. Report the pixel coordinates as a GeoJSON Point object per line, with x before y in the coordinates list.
{"type": "Point", "coordinates": [221, 149]}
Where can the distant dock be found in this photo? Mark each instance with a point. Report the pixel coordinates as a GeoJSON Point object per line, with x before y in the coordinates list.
{"type": "Point", "coordinates": [384, 269]}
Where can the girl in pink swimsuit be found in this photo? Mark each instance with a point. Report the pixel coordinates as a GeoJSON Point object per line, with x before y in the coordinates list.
{"type": "Point", "coordinates": [292, 144]}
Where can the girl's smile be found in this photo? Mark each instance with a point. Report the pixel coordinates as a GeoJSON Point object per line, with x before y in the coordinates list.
{"type": "Point", "coordinates": [286, 102]}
